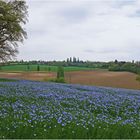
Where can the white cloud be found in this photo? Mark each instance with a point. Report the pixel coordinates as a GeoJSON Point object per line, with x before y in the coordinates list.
{"type": "Point", "coordinates": [59, 29]}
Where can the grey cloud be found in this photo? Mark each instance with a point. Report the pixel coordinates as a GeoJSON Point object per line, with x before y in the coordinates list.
{"type": "Point", "coordinates": [103, 51]}
{"type": "Point", "coordinates": [60, 29]}
{"type": "Point", "coordinates": [137, 13]}
{"type": "Point", "coordinates": [74, 14]}
{"type": "Point", "coordinates": [125, 2]}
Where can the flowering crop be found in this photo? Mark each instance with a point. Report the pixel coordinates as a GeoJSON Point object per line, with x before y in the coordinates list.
{"type": "Point", "coordinates": [49, 110]}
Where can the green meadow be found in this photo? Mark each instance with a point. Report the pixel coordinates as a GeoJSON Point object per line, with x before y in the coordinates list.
{"type": "Point", "coordinates": [41, 68]}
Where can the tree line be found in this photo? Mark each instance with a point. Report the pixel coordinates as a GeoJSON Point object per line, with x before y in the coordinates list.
{"type": "Point", "coordinates": [112, 66]}
{"type": "Point", "coordinates": [125, 66]}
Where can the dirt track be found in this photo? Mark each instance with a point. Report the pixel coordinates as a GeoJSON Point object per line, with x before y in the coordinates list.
{"type": "Point", "coordinates": [98, 78]}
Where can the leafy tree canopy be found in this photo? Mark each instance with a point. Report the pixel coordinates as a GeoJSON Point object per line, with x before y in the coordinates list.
{"type": "Point", "coordinates": [13, 15]}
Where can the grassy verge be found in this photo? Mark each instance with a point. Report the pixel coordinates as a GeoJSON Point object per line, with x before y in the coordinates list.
{"type": "Point", "coordinates": [53, 130]}
{"type": "Point", "coordinates": [7, 80]}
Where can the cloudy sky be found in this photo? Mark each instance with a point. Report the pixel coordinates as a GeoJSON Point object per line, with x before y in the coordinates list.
{"type": "Point", "coordinates": [97, 30]}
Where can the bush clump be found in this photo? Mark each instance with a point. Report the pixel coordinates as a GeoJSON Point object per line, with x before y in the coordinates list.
{"type": "Point", "coordinates": [60, 76]}
{"type": "Point", "coordinates": [60, 80]}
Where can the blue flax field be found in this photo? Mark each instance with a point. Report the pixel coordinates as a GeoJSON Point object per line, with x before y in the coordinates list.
{"type": "Point", "coordinates": [64, 111]}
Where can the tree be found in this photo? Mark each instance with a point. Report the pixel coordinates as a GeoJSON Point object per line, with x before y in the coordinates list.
{"type": "Point", "coordinates": [78, 60]}
{"type": "Point", "coordinates": [13, 14]}
{"type": "Point", "coordinates": [60, 75]}
{"type": "Point", "coordinates": [60, 72]}
{"type": "Point", "coordinates": [28, 67]}
{"type": "Point", "coordinates": [116, 61]}
{"type": "Point", "coordinates": [38, 68]}
{"type": "Point", "coordinates": [74, 60]}
{"type": "Point", "coordinates": [70, 59]}
{"type": "Point", "coordinates": [49, 69]}
{"type": "Point", "coordinates": [114, 67]}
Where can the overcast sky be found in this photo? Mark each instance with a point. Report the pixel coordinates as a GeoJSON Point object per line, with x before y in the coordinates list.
{"type": "Point", "coordinates": [97, 30]}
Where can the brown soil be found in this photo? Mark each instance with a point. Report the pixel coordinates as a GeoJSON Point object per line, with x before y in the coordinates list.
{"type": "Point", "coordinates": [29, 75]}
{"type": "Point", "coordinates": [104, 78]}
{"type": "Point", "coordinates": [97, 78]}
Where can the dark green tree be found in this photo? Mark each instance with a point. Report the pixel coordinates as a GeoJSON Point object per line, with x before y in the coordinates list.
{"type": "Point", "coordinates": [38, 68]}
{"type": "Point", "coordinates": [70, 59]}
{"type": "Point", "coordinates": [60, 72]}
{"type": "Point", "coordinates": [13, 14]}
{"type": "Point", "coordinates": [78, 60]}
{"type": "Point", "coordinates": [60, 75]}
{"type": "Point", "coordinates": [28, 67]}
{"type": "Point", "coordinates": [49, 69]}
{"type": "Point", "coordinates": [74, 60]}
{"type": "Point", "coordinates": [116, 61]}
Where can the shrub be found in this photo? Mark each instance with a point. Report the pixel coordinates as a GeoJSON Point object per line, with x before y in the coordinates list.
{"type": "Point", "coordinates": [138, 78]}
{"type": "Point", "coordinates": [60, 80]}
{"type": "Point", "coordinates": [49, 69]}
{"type": "Point", "coordinates": [114, 67]}
{"type": "Point", "coordinates": [60, 72]}
{"type": "Point", "coordinates": [60, 76]}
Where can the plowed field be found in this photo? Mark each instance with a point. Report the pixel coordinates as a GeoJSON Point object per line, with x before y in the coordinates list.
{"type": "Point", "coordinates": [104, 78]}
{"type": "Point", "coordinates": [96, 77]}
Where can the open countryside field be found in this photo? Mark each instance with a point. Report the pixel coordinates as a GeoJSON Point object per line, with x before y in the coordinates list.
{"type": "Point", "coordinates": [104, 78]}
{"type": "Point", "coordinates": [92, 77]}
{"type": "Point", "coordinates": [31, 68]}
{"type": "Point", "coordinates": [69, 69]}
{"type": "Point", "coordinates": [49, 110]}
{"type": "Point", "coordinates": [35, 76]}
